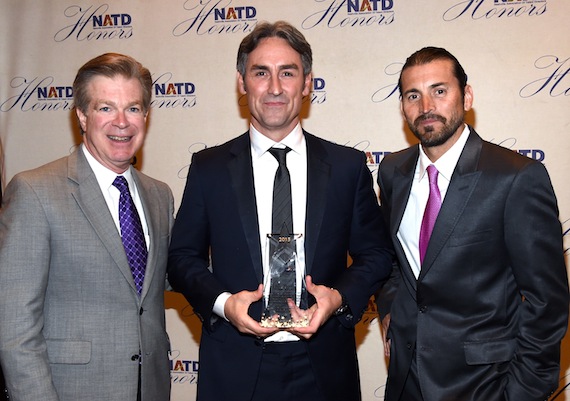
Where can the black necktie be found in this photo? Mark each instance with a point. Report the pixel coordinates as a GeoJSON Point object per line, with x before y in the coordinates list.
{"type": "Point", "coordinates": [282, 217]}
{"type": "Point", "coordinates": [283, 261]}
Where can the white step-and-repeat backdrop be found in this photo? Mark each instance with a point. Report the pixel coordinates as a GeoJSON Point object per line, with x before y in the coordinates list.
{"type": "Point", "coordinates": [516, 53]}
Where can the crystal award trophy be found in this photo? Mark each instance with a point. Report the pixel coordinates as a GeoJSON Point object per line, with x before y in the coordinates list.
{"type": "Point", "coordinates": [281, 283]}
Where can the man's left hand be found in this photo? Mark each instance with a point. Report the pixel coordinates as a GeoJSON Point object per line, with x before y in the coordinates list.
{"type": "Point", "coordinates": [328, 301]}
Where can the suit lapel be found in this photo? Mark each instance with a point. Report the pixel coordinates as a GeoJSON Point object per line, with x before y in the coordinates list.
{"type": "Point", "coordinates": [461, 187]}
{"type": "Point", "coordinates": [401, 187]}
{"type": "Point", "coordinates": [318, 174]}
{"type": "Point", "coordinates": [88, 196]}
{"type": "Point", "coordinates": [146, 192]}
{"type": "Point", "coordinates": [241, 173]}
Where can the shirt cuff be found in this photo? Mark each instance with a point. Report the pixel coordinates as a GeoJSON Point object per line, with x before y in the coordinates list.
{"type": "Point", "coordinates": [221, 303]}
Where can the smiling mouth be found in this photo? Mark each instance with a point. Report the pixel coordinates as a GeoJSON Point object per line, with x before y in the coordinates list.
{"type": "Point", "coordinates": [119, 138]}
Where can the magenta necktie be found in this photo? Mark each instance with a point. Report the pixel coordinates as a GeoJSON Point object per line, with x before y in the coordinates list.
{"type": "Point", "coordinates": [131, 232]}
{"type": "Point", "coordinates": [432, 209]}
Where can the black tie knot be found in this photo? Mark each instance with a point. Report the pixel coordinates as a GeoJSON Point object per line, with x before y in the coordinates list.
{"type": "Point", "coordinates": [280, 154]}
{"type": "Point", "coordinates": [282, 216]}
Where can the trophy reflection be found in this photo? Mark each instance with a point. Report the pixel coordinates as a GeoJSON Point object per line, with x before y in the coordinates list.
{"type": "Point", "coordinates": [282, 283]}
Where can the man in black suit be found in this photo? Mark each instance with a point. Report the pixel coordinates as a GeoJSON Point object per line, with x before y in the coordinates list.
{"type": "Point", "coordinates": [224, 220]}
{"type": "Point", "coordinates": [477, 310]}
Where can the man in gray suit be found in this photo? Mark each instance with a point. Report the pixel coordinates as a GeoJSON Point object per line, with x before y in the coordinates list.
{"type": "Point", "coordinates": [478, 307]}
{"type": "Point", "coordinates": [75, 324]}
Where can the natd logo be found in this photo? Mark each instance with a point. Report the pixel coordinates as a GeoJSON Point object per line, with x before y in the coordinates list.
{"type": "Point", "coordinates": [170, 94]}
{"type": "Point", "coordinates": [366, 6]}
{"type": "Point", "coordinates": [234, 13]}
{"type": "Point", "coordinates": [373, 158]}
{"type": "Point", "coordinates": [351, 13]}
{"type": "Point", "coordinates": [111, 21]}
{"type": "Point", "coordinates": [55, 93]}
{"type": "Point", "coordinates": [38, 94]}
{"type": "Point", "coordinates": [183, 371]}
{"type": "Point", "coordinates": [95, 23]}
{"type": "Point", "coordinates": [319, 93]}
{"type": "Point", "coordinates": [216, 17]}
{"type": "Point", "coordinates": [486, 9]}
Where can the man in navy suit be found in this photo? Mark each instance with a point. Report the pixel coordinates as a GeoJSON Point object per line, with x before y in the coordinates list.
{"type": "Point", "coordinates": [218, 249]}
{"type": "Point", "coordinates": [479, 314]}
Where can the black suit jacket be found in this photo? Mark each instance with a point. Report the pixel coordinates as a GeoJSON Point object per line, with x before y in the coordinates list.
{"type": "Point", "coordinates": [2, 387]}
{"type": "Point", "coordinates": [218, 215]}
{"type": "Point", "coordinates": [490, 307]}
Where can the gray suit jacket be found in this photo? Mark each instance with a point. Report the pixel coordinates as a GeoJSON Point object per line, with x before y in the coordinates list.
{"type": "Point", "coordinates": [72, 323]}
{"type": "Point", "coordinates": [486, 316]}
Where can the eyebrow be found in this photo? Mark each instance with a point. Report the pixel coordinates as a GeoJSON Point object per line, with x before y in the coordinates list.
{"type": "Point", "coordinates": [281, 67]}
{"type": "Point", "coordinates": [112, 103]}
{"type": "Point", "coordinates": [432, 86]}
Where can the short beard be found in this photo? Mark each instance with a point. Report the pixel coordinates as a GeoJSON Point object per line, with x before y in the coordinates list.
{"type": "Point", "coordinates": [432, 138]}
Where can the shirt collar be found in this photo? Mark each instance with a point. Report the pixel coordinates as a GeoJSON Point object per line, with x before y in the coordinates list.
{"type": "Point", "coordinates": [104, 176]}
{"type": "Point", "coordinates": [446, 163]}
{"type": "Point", "coordinates": [261, 144]}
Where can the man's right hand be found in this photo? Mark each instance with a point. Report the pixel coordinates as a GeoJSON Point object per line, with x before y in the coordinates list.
{"type": "Point", "coordinates": [236, 311]}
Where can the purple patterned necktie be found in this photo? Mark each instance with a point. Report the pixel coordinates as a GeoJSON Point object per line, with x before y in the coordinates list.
{"type": "Point", "coordinates": [430, 214]}
{"type": "Point", "coordinates": [131, 232]}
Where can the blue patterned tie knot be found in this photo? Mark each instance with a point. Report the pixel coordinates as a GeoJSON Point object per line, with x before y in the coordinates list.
{"type": "Point", "coordinates": [131, 232]}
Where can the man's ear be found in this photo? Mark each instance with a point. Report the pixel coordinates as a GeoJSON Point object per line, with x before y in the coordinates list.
{"type": "Point", "coordinates": [307, 87]}
{"type": "Point", "coordinates": [468, 98]}
{"type": "Point", "coordinates": [82, 118]}
{"type": "Point", "coordinates": [241, 83]}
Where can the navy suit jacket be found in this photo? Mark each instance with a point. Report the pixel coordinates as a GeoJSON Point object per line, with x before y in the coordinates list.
{"type": "Point", "coordinates": [488, 312]}
{"type": "Point", "coordinates": [218, 219]}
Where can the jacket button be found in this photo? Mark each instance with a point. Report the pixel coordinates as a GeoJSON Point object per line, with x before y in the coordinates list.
{"type": "Point", "coordinates": [135, 357]}
{"type": "Point", "coordinates": [423, 309]}
{"type": "Point", "coordinates": [141, 311]}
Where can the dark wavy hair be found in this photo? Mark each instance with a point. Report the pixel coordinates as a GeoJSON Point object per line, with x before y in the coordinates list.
{"type": "Point", "coordinates": [280, 29]}
{"type": "Point", "coordinates": [429, 54]}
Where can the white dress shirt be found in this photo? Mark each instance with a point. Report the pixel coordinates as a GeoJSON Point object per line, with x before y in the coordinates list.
{"type": "Point", "coordinates": [409, 230]}
{"type": "Point", "coordinates": [264, 168]}
{"type": "Point", "coordinates": [105, 178]}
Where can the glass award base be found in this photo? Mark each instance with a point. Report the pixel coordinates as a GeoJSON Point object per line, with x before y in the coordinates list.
{"type": "Point", "coordinates": [283, 322]}
{"type": "Point", "coordinates": [281, 284]}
